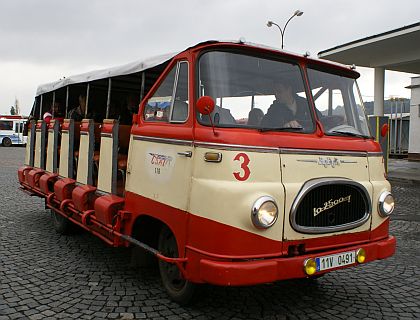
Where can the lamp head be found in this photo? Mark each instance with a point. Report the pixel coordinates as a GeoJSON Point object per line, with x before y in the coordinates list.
{"type": "Point", "coordinates": [269, 24]}
{"type": "Point", "coordinates": [298, 13]}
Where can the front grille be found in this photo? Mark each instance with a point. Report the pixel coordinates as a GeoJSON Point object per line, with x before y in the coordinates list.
{"type": "Point", "coordinates": [326, 206]}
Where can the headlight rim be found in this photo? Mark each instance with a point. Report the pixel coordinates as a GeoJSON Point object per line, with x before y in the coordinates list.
{"type": "Point", "coordinates": [257, 206]}
{"type": "Point", "coordinates": [381, 202]}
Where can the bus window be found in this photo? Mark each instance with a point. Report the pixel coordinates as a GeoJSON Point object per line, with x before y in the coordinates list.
{"type": "Point", "coordinates": [6, 125]}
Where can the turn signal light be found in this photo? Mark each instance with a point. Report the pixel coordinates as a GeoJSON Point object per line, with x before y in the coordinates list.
{"type": "Point", "coordinates": [310, 266]}
{"type": "Point", "coordinates": [361, 255]}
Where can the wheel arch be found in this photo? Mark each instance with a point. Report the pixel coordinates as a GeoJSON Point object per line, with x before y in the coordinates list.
{"type": "Point", "coordinates": [147, 229]}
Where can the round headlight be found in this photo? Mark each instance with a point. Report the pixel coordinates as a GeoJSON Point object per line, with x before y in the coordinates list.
{"type": "Point", "coordinates": [386, 204]}
{"type": "Point", "coordinates": [264, 212]}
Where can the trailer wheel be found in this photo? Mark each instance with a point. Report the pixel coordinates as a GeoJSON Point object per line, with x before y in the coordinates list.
{"type": "Point", "coordinates": [6, 142]}
{"type": "Point", "coordinates": [61, 224]}
{"type": "Point", "coordinates": [178, 288]}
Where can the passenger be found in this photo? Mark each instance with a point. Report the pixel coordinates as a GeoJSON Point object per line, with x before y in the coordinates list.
{"type": "Point", "coordinates": [287, 110]}
{"type": "Point", "coordinates": [53, 113]}
{"type": "Point", "coordinates": [130, 107]}
{"type": "Point", "coordinates": [255, 116]}
{"type": "Point", "coordinates": [78, 113]}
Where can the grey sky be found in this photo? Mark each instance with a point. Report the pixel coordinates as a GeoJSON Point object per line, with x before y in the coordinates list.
{"type": "Point", "coordinates": [44, 40]}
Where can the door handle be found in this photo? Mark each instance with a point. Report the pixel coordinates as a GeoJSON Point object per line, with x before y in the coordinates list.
{"type": "Point", "coordinates": [185, 154]}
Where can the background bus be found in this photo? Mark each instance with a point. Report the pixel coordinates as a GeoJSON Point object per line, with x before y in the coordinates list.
{"type": "Point", "coordinates": [13, 130]}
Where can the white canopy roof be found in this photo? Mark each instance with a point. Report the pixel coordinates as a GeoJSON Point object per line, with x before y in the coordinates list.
{"type": "Point", "coordinates": [133, 67]}
{"type": "Point", "coordinates": [139, 66]}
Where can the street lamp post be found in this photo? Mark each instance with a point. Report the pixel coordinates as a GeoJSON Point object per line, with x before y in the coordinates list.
{"type": "Point", "coordinates": [297, 13]}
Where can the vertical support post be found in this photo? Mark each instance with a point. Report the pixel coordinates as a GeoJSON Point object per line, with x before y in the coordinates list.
{"type": "Point", "coordinates": [391, 125]}
{"type": "Point", "coordinates": [401, 127]}
{"type": "Point", "coordinates": [32, 143]}
{"type": "Point", "coordinates": [52, 105]}
{"type": "Point", "coordinates": [378, 106]}
{"type": "Point", "coordinates": [108, 99]}
{"type": "Point", "coordinates": [330, 102]}
{"type": "Point", "coordinates": [87, 99]}
{"type": "Point", "coordinates": [395, 125]}
{"type": "Point", "coordinates": [43, 141]}
{"type": "Point", "coordinates": [67, 101]}
{"type": "Point", "coordinates": [40, 107]}
{"type": "Point", "coordinates": [143, 84]}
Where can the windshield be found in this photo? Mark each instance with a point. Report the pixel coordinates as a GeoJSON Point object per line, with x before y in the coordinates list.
{"type": "Point", "coordinates": [338, 104]}
{"type": "Point", "coordinates": [253, 92]}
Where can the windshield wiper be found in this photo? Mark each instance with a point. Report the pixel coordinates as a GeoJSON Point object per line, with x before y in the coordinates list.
{"type": "Point", "coordinates": [350, 134]}
{"type": "Point", "coordinates": [281, 129]}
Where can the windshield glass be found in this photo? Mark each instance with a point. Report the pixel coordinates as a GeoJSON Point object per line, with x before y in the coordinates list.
{"type": "Point", "coordinates": [253, 92]}
{"type": "Point", "coordinates": [338, 104]}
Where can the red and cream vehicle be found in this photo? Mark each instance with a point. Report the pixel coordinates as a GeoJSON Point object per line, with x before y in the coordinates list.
{"type": "Point", "coordinates": [240, 165]}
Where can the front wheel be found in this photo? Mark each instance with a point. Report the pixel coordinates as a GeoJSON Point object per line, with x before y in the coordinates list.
{"type": "Point", "coordinates": [179, 289]}
{"type": "Point", "coordinates": [6, 142]}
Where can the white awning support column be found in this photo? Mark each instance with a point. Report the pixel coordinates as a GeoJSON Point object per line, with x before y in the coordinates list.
{"type": "Point", "coordinates": [378, 105]}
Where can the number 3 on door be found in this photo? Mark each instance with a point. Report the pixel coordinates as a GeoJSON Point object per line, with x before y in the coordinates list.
{"type": "Point", "coordinates": [244, 175]}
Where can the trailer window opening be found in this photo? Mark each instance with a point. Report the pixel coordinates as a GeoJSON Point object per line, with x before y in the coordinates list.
{"type": "Point", "coordinates": [252, 92]}
{"type": "Point", "coordinates": [338, 104]}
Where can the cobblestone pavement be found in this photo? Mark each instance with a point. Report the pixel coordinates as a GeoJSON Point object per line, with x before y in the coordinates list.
{"type": "Point", "coordinates": [45, 275]}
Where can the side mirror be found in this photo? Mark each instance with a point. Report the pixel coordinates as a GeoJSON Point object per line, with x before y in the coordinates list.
{"type": "Point", "coordinates": [205, 105]}
{"type": "Point", "coordinates": [384, 130]}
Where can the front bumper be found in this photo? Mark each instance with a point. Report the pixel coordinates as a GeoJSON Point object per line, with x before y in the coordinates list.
{"type": "Point", "coordinates": [234, 273]}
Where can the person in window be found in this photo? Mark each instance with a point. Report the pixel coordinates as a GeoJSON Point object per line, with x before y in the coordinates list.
{"type": "Point", "coordinates": [288, 110]}
{"type": "Point", "coordinates": [78, 113]}
{"type": "Point", "coordinates": [54, 113]}
{"type": "Point", "coordinates": [131, 105]}
{"type": "Point", "coordinates": [255, 116]}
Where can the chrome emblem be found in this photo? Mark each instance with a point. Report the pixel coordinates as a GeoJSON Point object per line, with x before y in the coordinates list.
{"type": "Point", "coordinates": [327, 161]}
{"type": "Point", "coordinates": [330, 204]}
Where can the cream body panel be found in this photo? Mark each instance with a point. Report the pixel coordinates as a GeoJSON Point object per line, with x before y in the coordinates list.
{"type": "Point", "coordinates": [156, 171]}
{"type": "Point", "coordinates": [49, 165]}
{"type": "Point", "coordinates": [105, 165]}
{"type": "Point", "coordinates": [28, 148]}
{"type": "Point", "coordinates": [299, 168]}
{"type": "Point", "coordinates": [64, 155]}
{"type": "Point", "coordinates": [217, 195]}
{"type": "Point", "coordinates": [82, 163]}
{"type": "Point", "coordinates": [380, 184]}
{"type": "Point", "coordinates": [37, 156]}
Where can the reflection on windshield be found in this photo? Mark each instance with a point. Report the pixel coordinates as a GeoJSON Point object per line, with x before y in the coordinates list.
{"type": "Point", "coordinates": [338, 104]}
{"type": "Point", "coordinates": [254, 92]}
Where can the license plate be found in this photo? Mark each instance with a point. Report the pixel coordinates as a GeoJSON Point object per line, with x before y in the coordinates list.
{"type": "Point", "coordinates": [335, 260]}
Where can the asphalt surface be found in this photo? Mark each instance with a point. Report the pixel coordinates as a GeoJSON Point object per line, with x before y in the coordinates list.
{"type": "Point", "coordinates": [47, 276]}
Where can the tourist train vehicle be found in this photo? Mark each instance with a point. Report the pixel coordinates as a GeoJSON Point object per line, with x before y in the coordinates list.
{"type": "Point", "coordinates": [239, 165]}
{"type": "Point", "coordinates": [13, 130]}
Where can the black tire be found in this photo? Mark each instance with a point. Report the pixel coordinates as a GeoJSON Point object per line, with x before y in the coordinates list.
{"type": "Point", "coordinates": [61, 225]}
{"type": "Point", "coordinates": [6, 142]}
{"type": "Point", "coordinates": [179, 289]}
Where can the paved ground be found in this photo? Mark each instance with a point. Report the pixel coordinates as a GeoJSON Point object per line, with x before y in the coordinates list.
{"type": "Point", "coordinates": [401, 170]}
{"type": "Point", "coordinates": [44, 275]}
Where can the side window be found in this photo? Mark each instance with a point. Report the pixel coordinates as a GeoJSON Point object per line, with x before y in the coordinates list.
{"type": "Point", "coordinates": [6, 125]}
{"type": "Point", "coordinates": [170, 101]}
{"type": "Point", "coordinates": [158, 107]}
